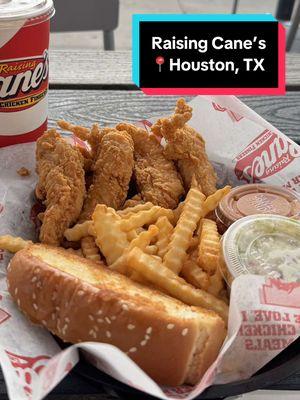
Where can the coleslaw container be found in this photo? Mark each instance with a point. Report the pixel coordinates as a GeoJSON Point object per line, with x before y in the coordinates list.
{"type": "Point", "coordinates": [262, 244]}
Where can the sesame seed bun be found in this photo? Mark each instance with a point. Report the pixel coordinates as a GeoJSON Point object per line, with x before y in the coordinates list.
{"type": "Point", "coordinates": [81, 300]}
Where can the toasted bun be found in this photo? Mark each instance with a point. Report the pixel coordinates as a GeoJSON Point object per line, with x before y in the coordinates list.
{"type": "Point", "coordinates": [80, 300]}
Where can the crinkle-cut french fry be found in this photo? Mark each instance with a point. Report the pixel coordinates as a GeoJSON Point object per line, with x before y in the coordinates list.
{"type": "Point", "coordinates": [195, 275]}
{"type": "Point", "coordinates": [164, 235]}
{"type": "Point", "coordinates": [92, 231]}
{"type": "Point", "coordinates": [129, 211]}
{"type": "Point", "coordinates": [216, 283]}
{"type": "Point", "coordinates": [145, 217]}
{"type": "Point", "coordinates": [166, 212]}
{"type": "Point", "coordinates": [214, 199]}
{"type": "Point", "coordinates": [209, 246]}
{"type": "Point", "coordinates": [140, 219]}
{"type": "Point", "coordinates": [142, 241]}
{"type": "Point", "coordinates": [144, 238]}
{"type": "Point", "coordinates": [183, 232]}
{"type": "Point", "coordinates": [137, 277]}
{"type": "Point", "coordinates": [194, 243]}
{"type": "Point", "coordinates": [177, 212]}
{"type": "Point", "coordinates": [151, 249]}
{"type": "Point", "coordinates": [77, 252]}
{"type": "Point", "coordinates": [155, 272]}
{"type": "Point", "coordinates": [133, 202]}
{"type": "Point", "coordinates": [131, 235]}
{"type": "Point", "coordinates": [110, 238]}
{"type": "Point", "coordinates": [13, 243]}
{"type": "Point", "coordinates": [89, 248]}
{"type": "Point", "coordinates": [78, 231]}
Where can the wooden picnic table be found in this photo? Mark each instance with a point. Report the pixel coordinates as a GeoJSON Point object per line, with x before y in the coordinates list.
{"type": "Point", "coordinates": [88, 86]}
{"type": "Point", "coordinates": [95, 86]}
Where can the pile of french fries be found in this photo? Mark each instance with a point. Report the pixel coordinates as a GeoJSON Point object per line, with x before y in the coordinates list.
{"type": "Point", "coordinates": [175, 251]}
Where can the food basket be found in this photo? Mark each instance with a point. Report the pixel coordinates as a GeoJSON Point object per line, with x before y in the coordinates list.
{"type": "Point", "coordinates": [280, 368]}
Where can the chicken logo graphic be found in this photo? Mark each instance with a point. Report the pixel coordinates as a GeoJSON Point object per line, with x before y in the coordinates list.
{"type": "Point", "coordinates": [280, 293]}
{"type": "Point", "coordinates": [233, 116]}
{"type": "Point", "coordinates": [27, 369]}
{"type": "Point", "coordinates": [4, 316]}
{"type": "Point", "coordinates": [265, 156]}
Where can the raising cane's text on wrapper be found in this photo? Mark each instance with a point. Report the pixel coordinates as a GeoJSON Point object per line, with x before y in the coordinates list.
{"type": "Point", "coordinates": [24, 69]}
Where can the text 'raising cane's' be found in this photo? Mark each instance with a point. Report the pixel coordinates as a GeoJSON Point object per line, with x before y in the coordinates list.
{"type": "Point", "coordinates": [203, 46]}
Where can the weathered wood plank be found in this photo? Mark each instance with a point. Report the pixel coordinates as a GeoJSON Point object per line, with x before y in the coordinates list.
{"type": "Point", "coordinates": [102, 68]}
{"type": "Point", "coordinates": [293, 70]}
{"type": "Point", "coordinates": [111, 106]}
{"type": "Point", "coordinates": [90, 67]}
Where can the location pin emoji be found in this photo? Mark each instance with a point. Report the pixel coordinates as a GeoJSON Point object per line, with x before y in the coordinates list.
{"type": "Point", "coordinates": [159, 61]}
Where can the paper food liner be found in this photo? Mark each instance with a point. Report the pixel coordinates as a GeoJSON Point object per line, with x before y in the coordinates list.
{"type": "Point", "coordinates": [264, 316]}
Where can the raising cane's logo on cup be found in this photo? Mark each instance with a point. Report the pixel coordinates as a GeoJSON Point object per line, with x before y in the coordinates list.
{"type": "Point", "coordinates": [24, 69]}
{"type": "Point", "coordinates": [24, 83]}
{"type": "Point", "coordinates": [265, 156]}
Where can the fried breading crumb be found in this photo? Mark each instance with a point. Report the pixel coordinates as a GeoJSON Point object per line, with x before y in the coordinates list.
{"type": "Point", "coordinates": [23, 171]}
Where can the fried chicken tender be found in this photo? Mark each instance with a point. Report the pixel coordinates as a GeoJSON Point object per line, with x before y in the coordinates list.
{"type": "Point", "coordinates": [157, 178]}
{"type": "Point", "coordinates": [92, 136]}
{"type": "Point", "coordinates": [112, 169]}
{"type": "Point", "coordinates": [61, 184]}
{"type": "Point", "coordinates": [187, 147]}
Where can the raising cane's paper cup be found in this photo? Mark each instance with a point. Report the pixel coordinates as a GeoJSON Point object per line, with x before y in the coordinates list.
{"type": "Point", "coordinates": [24, 69]}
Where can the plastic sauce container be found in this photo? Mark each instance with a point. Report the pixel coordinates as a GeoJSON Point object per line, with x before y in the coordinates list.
{"type": "Point", "coordinates": [24, 69]}
{"type": "Point", "coordinates": [262, 245]}
{"type": "Point", "coordinates": [256, 199]}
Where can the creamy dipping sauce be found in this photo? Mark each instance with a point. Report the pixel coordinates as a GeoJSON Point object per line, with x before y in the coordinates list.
{"type": "Point", "coordinates": [263, 245]}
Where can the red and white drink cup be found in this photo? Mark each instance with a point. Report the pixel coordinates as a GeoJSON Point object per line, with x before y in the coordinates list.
{"type": "Point", "coordinates": [24, 69]}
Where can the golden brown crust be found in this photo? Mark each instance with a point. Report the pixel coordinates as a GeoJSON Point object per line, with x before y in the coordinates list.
{"type": "Point", "coordinates": [156, 177]}
{"type": "Point", "coordinates": [91, 303]}
{"type": "Point", "coordinates": [112, 168]}
{"type": "Point", "coordinates": [61, 184]}
{"type": "Point", "coordinates": [187, 147]}
{"type": "Point", "coordinates": [207, 349]}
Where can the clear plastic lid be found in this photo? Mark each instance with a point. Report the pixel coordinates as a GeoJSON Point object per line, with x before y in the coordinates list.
{"type": "Point", "coordinates": [263, 245]}
{"type": "Point", "coordinates": [14, 10]}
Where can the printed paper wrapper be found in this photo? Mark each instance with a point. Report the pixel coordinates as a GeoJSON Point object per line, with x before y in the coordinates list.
{"type": "Point", "coordinates": [264, 315]}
